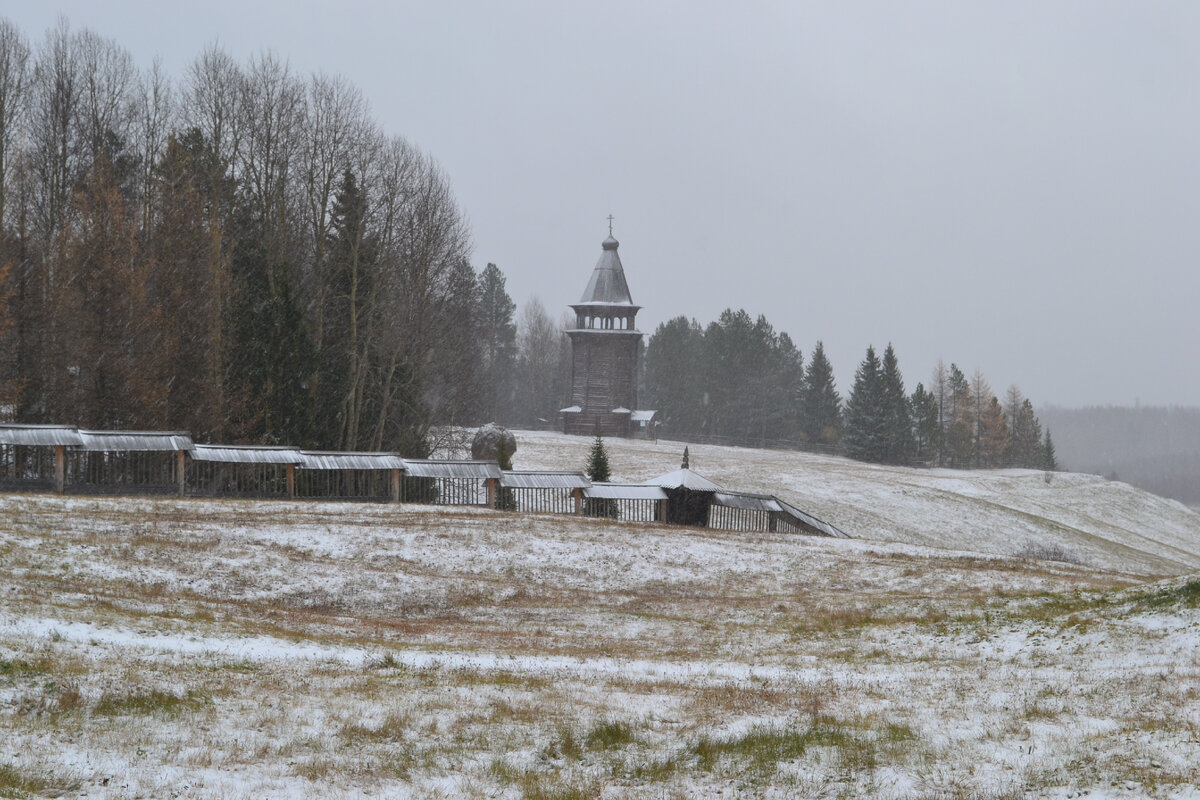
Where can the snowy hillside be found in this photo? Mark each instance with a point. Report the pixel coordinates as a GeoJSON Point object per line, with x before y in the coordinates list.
{"type": "Point", "coordinates": [237, 649]}
{"type": "Point", "coordinates": [1000, 512]}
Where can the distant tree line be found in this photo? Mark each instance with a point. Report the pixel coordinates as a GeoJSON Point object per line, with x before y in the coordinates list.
{"type": "Point", "coordinates": [245, 255]}
{"type": "Point", "coordinates": [958, 422]}
{"type": "Point", "coordinates": [740, 380]}
{"type": "Point", "coordinates": [242, 253]}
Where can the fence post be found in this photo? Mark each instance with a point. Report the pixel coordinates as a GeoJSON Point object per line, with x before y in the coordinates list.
{"type": "Point", "coordinates": [60, 467]}
{"type": "Point", "coordinates": [490, 485]}
{"type": "Point", "coordinates": [395, 493]}
{"type": "Point", "coordinates": [577, 493]}
{"type": "Point", "coordinates": [180, 474]}
{"type": "Point", "coordinates": [291, 481]}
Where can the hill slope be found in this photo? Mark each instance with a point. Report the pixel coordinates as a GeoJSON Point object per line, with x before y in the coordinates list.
{"type": "Point", "coordinates": [225, 649]}
{"type": "Point", "coordinates": [999, 512]}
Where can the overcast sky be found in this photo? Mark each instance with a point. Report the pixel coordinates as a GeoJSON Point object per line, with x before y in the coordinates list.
{"type": "Point", "coordinates": [1011, 186]}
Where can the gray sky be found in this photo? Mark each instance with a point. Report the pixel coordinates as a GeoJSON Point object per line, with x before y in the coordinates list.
{"type": "Point", "coordinates": [1012, 186]}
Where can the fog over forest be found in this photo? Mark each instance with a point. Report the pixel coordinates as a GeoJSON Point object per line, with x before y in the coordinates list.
{"type": "Point", "coordinates": [1155, 448]}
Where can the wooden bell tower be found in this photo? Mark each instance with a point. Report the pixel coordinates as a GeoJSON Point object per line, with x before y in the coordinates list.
{"type": "Point", "coordinates": [604, 351]}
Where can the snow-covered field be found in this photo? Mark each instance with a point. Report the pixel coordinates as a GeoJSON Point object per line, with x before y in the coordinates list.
{"type": "Point", "coordinates": [190, 648]}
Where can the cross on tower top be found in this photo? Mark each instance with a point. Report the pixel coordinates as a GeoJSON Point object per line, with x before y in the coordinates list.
{"type": "Point", "coordinates": [610, 219]}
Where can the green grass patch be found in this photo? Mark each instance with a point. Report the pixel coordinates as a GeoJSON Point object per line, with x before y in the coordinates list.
{"type": "Point", "coordinates": [18, 669]}
{"type": "Point", "coordinates": [1185, 596]}
{"type": "Point", "coordinates": [18, 783]}
{"type": "Point", "coordinates": [761, 750]}
{"type": "Point", "coordinates": [608, 735]}
{"type": "Point", "coordinates": [153, 702]}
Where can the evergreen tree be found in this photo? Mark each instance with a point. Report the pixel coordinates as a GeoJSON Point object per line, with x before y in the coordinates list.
{"type": "Point", "coordinates": [1049, 459]}
{"type": "Point", "coordinates": [597, 466]}
{"type": "Point", "coordinates": [821, 407]}
{"type": "Point", "coordinates": [927, 430]}
{"type": "Point", "coordinates": [598, 472]}
{"type": "Point", "coordinates": [675, 375]}
{"type": "Point", "coordinates": [272, 355]}
{"type": "Point", "coordinates": [959, 420]}
{"type": "Point", "coordinates": [344, 360]}
{"type": "Point", "coordinates": [782, 389]}
{"type": "Point", "coordinates": [865, 433]}
{"type": "Point", "coordinates": [898, 443]}
{"type": "Point", "coordinates": [735, 348]}
{"type": "Point", "coordinates": [498, 332]}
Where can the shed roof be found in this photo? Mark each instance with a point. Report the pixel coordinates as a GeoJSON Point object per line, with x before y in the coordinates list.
{"type": "Point", "coordinates": [146, 441]}
{"type": "Point", "coordinates": [40, 435]}
{"type": "Point", "coordinates": [420, 468]}
{"type": "Point", "coordinates": [625, 491]}
{"type": "Point", "coordinates": [643, 415]}
{"type": "Point", "coordinates": [746, 500]}
{"type": "Point", "coordinates": [321, 459]}
{"type": "Point", "coordinates": [246, 454]}
{"type": "Point", "coordinates": [810, 520]}
{"type": "Point", "coordinates": [533, 479]}
{"type": "Point", "coordinates": [607, 285]}
{"type": "Point", "coordinates": [684, 479]}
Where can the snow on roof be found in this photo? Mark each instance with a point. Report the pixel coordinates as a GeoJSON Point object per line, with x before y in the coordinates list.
{"type": "Point", "coordinates": [246, 454]}
{"type": "Point", "coordinates": [808, 519]}
{"type": "Point", "coordinates": [746, 500]}
{"type": "Point", "coordinates": [607, 284]}
{"type": "Point", "coordinates": [621, 410]}
{"type": "Point", "coordinates": [318, 459]}
{"type": "Point", "coordinates": [570, 410]}
{"type": "Point", "coordinates": [684, 479]}
{"type": "Point", "coordinates": [643, 415]}
{"type": "Point", "coordinates": [421, 468]}
{"type": "Point", "coordinates": [533, 479]}
{"type": "Point", "coordinates": [145, 441]}
{"type": "Point", "coordinates": [624, 491]}
{"type": "Point", "coordinates": [40, 435]}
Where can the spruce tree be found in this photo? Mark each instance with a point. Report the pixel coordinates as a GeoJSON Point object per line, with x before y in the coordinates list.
{"type": "Point", "coordinates": [498, 331]}
{"type": "Point", "coordinates": [898, 442]}
{"type": "Point", "coordinates": [675, 375]}
{"type": "Point", "coordinates": [865, 426]}
{"type": "Point", "coordinates": [1049, 460]}
{"type": "Point", "coordinates": [959, 420]}
{"type": "Point", "coordinates": [598, 472]}
{"type": "Point", "coordinates": [821, 407]}
{"type": "Point", "coordinates": [927, 430]}
{"type": "Point", "coordinates": [597, 466]}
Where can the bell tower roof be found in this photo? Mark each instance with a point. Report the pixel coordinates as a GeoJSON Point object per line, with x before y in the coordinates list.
{"type": "Point", "coordinates": [607, 285]}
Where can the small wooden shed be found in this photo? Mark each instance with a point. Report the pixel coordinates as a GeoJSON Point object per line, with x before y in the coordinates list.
{"type": "Point", "coordinates": [689, 496]}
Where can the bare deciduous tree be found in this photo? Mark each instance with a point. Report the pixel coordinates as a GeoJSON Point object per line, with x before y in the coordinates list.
{"type": "Point", "coordinates": [14, 81]}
